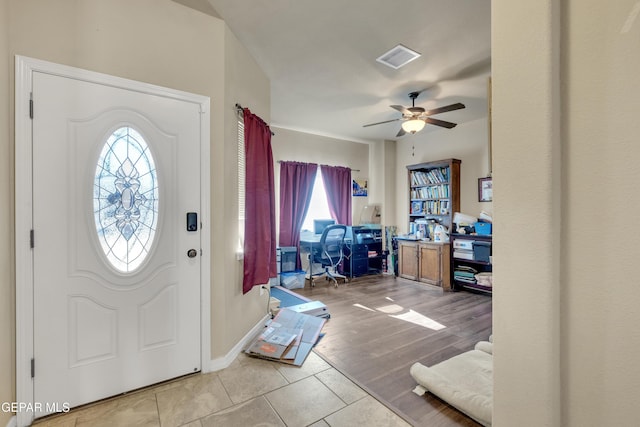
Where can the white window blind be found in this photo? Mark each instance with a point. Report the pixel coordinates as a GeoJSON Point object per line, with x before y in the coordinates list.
{"type": "Point", "coordinates": [241, 184]}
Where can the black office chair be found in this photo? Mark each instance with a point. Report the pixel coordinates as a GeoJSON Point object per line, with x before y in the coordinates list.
{"type": "Point", "coordinates": [330, 254]}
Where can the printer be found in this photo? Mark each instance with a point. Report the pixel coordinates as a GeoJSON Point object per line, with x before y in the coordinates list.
{"type": "Point", "coordinates": [363, 235]}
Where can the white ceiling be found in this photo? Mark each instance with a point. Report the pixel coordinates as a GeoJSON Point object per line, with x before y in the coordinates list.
{"type": "Point", "coordinates": [320, 57]}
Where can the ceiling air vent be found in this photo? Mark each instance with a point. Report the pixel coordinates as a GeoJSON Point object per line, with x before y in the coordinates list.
{"type": "Point", "coordinates": [398, 57]}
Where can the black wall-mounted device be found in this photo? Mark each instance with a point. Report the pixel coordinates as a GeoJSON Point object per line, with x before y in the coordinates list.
{"type": "Point", "coordinates": [192, 221]}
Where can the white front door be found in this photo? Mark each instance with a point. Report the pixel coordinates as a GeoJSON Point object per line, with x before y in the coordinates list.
{"type": "Point", "coordinates": [116, 268]}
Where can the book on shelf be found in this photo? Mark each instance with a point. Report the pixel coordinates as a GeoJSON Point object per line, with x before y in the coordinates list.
{"type": "Point", "coordinates": [471, 281]}
{"type": "Point", "coordinates": [416, 207]}
{"type": "Point", "coordinates": [433, 192]}
{"type": "Point", "coordinates": [463, 254]}
{"type": "Point", "coordinates": [466, 269]}
{"type": "Point", "coordinates": [432, 176]}
{"type": "Point", "coordinates": [436, 207]}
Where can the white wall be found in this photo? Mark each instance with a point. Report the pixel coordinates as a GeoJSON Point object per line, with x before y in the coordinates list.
{"type": "Point", "coordinates": [566, 160]}
{"type": "Point", "coordinates": [7, 294]}
{"type": "Point", "coordinates": [467, 142]}
{"type": "Point", "coordinates": [289, 145]}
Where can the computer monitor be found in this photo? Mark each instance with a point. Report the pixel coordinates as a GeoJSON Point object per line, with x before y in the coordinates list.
{"type": "Point", "coordinates": [320, 224]}
{"type": "Point", "coordinates": [370, 214]}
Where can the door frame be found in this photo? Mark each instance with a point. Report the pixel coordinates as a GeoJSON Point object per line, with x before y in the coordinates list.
{"type": "Point", "coordinates": [24, 69]}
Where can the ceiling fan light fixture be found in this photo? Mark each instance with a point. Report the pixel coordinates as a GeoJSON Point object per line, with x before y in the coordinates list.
{"type": "Point", "coordinates": [413, 125]}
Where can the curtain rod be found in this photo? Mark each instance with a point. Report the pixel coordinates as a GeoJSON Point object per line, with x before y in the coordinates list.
{"type": "Point", "coordinates": [239, 109]}
{"type": "Point", "coordinates": [354, 170]}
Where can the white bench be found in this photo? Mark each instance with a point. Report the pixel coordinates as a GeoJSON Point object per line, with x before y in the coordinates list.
{"type": "Point", "coordinates": [464, 381]}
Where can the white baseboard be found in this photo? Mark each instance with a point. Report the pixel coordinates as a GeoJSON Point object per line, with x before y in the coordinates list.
{"type": "Point", "coordinates": [13, 422]}
{"type": "Point", "coordinates": [224, 362]}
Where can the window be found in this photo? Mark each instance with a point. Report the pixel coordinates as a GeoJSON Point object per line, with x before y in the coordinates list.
{"type": "Point", "coordinates": [241, 185]}
{"type": "Point", "coordinates": [318, 207]}
{"type": "Point", "coordinates": [125, 199]}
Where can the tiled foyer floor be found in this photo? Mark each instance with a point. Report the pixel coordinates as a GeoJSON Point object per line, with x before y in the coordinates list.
{"type": "Point", "coordinates": [250, 392]}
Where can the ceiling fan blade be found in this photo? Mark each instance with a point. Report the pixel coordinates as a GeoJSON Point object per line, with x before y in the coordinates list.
{"type": "Point", "coordinates": [402, 109]}
{"type": "Point", "coordinates": [401, 132]}
{"type": "Point", "coordinates": [456, 106]}
{"type": "Point", "coordinates": [442, 123]}
{"type": "Point", "coordinates": [379, 123]}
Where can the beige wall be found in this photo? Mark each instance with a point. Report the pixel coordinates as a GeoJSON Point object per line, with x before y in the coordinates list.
{"type": "Point", "coordinates": [600, 297]}
{"type": "Point", "coordinates": [389, 207]}
{"type": "Point", "coordinates": [382, 183]}
{"type": "Point", "coordinates": [566, 160]}
{"type": "Point", "coordinates": [527, 214]}
{"type": "Point", "coordinates": [289, 145]}
{"type": "Point", "coordinates": [7, 295]}
{"type": "Point", "coordinates": [154, 41]}
{"type": "Point", "coordinates": [234, 314]}
{"type": "Point", "coordinates": [467, 142]}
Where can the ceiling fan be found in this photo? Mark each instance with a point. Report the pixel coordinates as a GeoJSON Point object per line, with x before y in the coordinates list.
{"type": "Point", "coordinates": [414, 118]}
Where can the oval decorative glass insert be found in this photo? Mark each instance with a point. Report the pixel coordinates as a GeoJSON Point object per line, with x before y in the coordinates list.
{"type": "Point", "coordinates": [125, 199]}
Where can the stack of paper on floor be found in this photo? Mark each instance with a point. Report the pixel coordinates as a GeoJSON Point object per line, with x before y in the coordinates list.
{"type": "Point", "coordinates": [288, 338]}
{"type": "Point", "coordinates": [277, 343]}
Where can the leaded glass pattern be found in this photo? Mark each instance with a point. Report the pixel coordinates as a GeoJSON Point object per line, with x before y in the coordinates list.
{"type": "Point", "coordinates": [125, 199]}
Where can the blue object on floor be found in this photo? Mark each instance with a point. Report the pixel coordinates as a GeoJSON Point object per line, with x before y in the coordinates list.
{"type": "Point", "coordinates": [286, 297]}
{"type": "Point", "coordinates": [299, 303]}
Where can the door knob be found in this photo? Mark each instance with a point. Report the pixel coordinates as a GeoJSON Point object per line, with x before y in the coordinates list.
{"type": "Point", "coordinates": [191, 253]}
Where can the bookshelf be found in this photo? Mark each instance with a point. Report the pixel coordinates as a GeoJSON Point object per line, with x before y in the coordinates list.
{"type": "Point", "coordinates": [434, 195]}
{"type": "Point", "coordinates": [467, 261]}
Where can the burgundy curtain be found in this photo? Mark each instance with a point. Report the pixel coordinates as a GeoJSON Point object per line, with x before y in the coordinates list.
{"type": "Point", "coordinates": [296, 187]}
{"type": "Point", "coordinates": [260, 205]}
{"type": "Point", "coordinates": [338, 186]}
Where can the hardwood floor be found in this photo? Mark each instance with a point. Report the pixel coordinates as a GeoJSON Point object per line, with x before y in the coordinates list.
{"type": "Point", "coordinates": [375, 349]}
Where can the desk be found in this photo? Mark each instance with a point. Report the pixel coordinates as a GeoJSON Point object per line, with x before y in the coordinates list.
{"type": "Point", "coordinates": [364, 251]}
{"type": "Point", "coordinates": [357, 261]}
{"type": "Point", "coordinates": [359, 258]}
{"type": "Point", "coordinates": [308, 243]}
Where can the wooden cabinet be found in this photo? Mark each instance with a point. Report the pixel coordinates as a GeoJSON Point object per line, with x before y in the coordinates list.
{"type": "Point", "coordinates": [408, 260]}
{"type": "Point", "coordinates": [433, 262]}
{"type": "Point", "coordinates": [426, 262]}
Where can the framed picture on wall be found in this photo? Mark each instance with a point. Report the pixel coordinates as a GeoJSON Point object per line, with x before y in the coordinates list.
{"type": "Point", "coordinates": [360, 188]}
{"type": "Point", "coordinates": [485, 189]}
